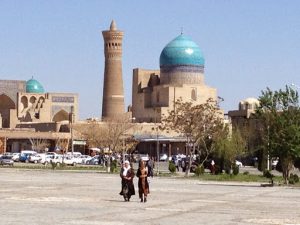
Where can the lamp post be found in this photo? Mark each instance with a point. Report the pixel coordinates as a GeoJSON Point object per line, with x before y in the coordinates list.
{"type": "Point", "coordinates": [71, 128]}
{"type": "Point", "coordinates": [268, 156]}
{"type": "Point", "coordinates": [157, 141]}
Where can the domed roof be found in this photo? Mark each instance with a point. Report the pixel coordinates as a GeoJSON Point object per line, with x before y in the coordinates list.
{"type": "Point", "coordinates": [33, 86]}
{"type": "Point", "coordinates": [181, 51]}
{"type": "Point", "coordinates": [250, 101]}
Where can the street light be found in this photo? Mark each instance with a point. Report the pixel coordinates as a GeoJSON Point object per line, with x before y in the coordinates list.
{"type": "Point", "coordinates": [71, 127]}
{"type": "Point", "coordinates": [157, 141]}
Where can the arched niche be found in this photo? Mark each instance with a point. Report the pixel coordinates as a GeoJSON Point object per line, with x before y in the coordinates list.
{"type": "Point", "coordinates": [60, 116]}
{"type": "Point", "coordinates": [6, 102]}
{"type": "Point", "coordinates": [194, 94]}
{"type": "Point", "coordinates": [40, 102]}
{"type": "Point", "coordinates": [24, 103]}
{"type": "Point", "coordinates": [32, 99]}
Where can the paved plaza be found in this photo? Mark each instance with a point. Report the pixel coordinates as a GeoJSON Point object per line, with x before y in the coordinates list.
{"type": "Point", "coordinates": [90, 198]}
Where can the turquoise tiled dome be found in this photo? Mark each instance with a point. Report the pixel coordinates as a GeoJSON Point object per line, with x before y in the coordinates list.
{"type": "Point", "coordinates": [181, 51]}
{"type": "Point", "coordinates": [33, 86]}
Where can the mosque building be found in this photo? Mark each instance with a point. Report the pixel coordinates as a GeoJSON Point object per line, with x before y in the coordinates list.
{"type": "Point", "coordinates": [26, 111]}
{"type": "Point", "coordinates": [154, 92]}
{"type": "Point", "coordinates": [181, 75]}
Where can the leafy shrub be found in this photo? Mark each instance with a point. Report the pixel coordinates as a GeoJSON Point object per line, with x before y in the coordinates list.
{"type": "Point", "coordinates": [199, 170]}
{"type": "Point", "coordinates": [268, 174]}
{"type": "Point", "coordinates": [218, 169]}
{"type": "Point", "coordinates": [172, 167]}
{"type": "Point", "coordinates": [113, 166]}
{"type": "Point", "coordinates": [293, 179]}
{"type": "Point", "coordinates": [227, 170]}
{"type": "Point", "coordinates": [235, 170]}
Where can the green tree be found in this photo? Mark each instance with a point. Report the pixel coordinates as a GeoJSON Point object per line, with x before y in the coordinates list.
{"type": "Point", "coordinates": [201, 125]}
{"type": "Point", "coordinates": [279, 113]}
{"type": "Point", "coordinates": [231, 146]}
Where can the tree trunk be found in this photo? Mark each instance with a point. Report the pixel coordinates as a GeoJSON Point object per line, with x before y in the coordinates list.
{"type": "Point", "coordinates": [187, 169]}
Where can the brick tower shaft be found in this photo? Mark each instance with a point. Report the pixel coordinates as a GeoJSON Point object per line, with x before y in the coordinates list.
{"type": "Point", "coordinates": [113, 93]}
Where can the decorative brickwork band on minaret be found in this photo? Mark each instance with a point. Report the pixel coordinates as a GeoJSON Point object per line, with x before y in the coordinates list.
{"type": "Point", "coordinates": [113, 94]}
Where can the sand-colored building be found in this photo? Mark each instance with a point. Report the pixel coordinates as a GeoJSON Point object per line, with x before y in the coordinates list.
{"type": "Point", "coordinates": [181, 75]}
{"type": "Point", "coordinates": [27, 111]}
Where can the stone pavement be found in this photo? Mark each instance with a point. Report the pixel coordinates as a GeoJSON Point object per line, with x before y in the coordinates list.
{"type": "Point", "coordinates": [90, 198]}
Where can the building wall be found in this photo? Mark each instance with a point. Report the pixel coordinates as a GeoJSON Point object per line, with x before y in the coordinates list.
{"type": "Point", "coordinates": [142, 86]}
{"type": "Point", "coordinates": [151, 100]}
{"type": "Point", "coordinates": [17, 106]}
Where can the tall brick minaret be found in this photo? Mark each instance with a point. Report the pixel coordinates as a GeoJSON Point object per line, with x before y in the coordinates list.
{"type": "Point", "coordinates": [113, 93]}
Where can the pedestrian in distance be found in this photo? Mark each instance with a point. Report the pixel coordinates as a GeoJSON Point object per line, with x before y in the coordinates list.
{"type": "Point", "coordinates": [127, 175]}
{"type": "Point", "coordinates": [212, 167]}
{"type": "Point", "coordinates": [150, 166]}
{"type": "Point", "coordinates": [142, 174]}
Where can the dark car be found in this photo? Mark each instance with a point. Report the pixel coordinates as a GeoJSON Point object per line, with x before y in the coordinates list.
{"type": "Point", "coordinates": [6, 160]}
{"type": "Point", "coordinates": [24, 157]}
{"type": "Point", "coordinates": [185, 164]}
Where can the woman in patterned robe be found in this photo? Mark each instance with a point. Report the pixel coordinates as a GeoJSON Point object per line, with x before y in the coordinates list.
{"type": "Point", "coordinates": [143, 184]}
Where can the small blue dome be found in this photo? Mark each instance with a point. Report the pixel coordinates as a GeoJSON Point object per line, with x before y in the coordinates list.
{"type": "Point", "coordinates": [181, 51]}
{"type": "Point", "coordinates": [33, 86]}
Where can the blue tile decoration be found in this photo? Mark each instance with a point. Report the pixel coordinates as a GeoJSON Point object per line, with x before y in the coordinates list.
{"type": "Point", "coordinates": [181, 51]}
{"type": "Point", "coordinates": [33, 86]}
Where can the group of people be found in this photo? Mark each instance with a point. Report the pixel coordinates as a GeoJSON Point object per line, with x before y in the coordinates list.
{"type": "Point", "coordinates": [127, 174]}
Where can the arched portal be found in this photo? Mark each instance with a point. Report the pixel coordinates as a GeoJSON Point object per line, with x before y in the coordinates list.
{"type": "Point", "coordinates": [6, 102]}
{"type": "Point", "coordinates": [60, 116]}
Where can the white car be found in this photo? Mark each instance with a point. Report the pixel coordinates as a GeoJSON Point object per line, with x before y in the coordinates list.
{"type": "Point", "coordinates": [144, 157]}
{"type": "Point", "coordinates": [58, 159]}
{"type": "Point", "coordinates": [34, 158]}
{"type": "Point", "coordinates": [163, 157]}
{"type": "Point", "coordinates": [238, 163]}
{"type": "Point", "coordinates": [16, 157]}
{"type": "Point", "coordinates": [68, 160]}
{"type": "Point", "coordinates": [274, 163]}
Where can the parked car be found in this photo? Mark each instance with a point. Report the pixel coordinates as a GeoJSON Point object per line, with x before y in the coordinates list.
{"type": "Point", "coordinates": [185, 163]}
{"type": "Point", "coordinates": [85, 158]}
{"type": "Point", "coordinates": [6, 160]}
{"type": "Point", "coordinates": [274, 163]}
{"type": "Point", "coordinates": [69, 160]}
{"type": "Point", "coordinates": [24, 157]}
{"type": "Point", "coordinates": [144, 157]}
{"type": "Point", "coordinates": [58, 159]}
{"type": "Point", "coordinates": [238, 163]}
{"type": "Point", "coordinates": [163, 157]}
{"type": "Point", "coordinates": [34, 158]}
{"type": "Point", "coordinates": [16, 157]}
{"type": "Point", "coordinates": [95, 160]}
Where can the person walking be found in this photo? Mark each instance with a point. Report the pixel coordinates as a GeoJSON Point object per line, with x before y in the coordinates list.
{"type": "Point", "coordinates": [127, 175]}
{"type": "Point", "coordinates": [150, 166]}
{"type": "Point", "coordinates": [142, 174]}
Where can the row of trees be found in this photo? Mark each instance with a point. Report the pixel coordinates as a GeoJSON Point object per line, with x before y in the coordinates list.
{"type": "Point", "coordinates": [115, 134]}
{"type": "Point", "coordinates": [279, 116]}
{"type": "Point", "coordinates": [204, 128]}
{"type": "Point", "coordinates": [277, 130]}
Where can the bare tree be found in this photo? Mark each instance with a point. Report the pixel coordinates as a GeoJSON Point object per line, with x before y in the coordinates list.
{"type": "Point", "coordinates": [62, 144]}
{"type": "Point", "coordinates": [200, 124]}
{"type": "Point", "coordinates": [115, 133]}
{"type": "Point", "coordinates": [39, 144]}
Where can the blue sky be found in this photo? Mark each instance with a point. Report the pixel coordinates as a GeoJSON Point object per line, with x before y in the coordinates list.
{"type": "Point", "coordinates": [247, 45]}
